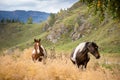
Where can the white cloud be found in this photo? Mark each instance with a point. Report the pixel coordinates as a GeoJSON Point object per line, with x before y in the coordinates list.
{"type": "Point", "coordinates": [37, 5]}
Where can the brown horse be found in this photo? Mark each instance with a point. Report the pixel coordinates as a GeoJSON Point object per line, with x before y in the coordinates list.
{"type": "Point", "coordinates": [80, 54]}
{"type": "Point", "coordinates": [39, 51]}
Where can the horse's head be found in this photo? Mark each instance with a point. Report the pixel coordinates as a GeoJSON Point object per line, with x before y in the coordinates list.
{"type": "Point", "coordinates": [93, 49]}
{"type": "Point", "coordinates": [37, 45]}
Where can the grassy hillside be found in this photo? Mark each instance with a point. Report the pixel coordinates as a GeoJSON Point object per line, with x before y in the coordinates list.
{"type": "Point", "coordinates": [18, 35]}
{"type": "Point", "coordinates": [69, 28]}
{"type": "Point", "coordinates": [90, 28]}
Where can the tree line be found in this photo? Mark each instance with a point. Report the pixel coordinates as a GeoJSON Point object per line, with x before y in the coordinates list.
{"type": "Point", "coordinates": [111, 7]}
{"type": "Point", "coordinates": [9, 20]}
{"type": "Point", "coordinates": [4, 21]}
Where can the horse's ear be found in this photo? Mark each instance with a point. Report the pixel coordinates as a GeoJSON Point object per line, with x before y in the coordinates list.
{"type": "Point", "coordinates": [39, 40]}
{"type": "Point", "coordinates": [34, 40]}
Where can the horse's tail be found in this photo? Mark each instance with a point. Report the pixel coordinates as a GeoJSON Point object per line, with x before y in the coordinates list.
{"type": "Point", "coordinates": [71, 56]}
{"type": "Point", "coordinates": [72, 61]}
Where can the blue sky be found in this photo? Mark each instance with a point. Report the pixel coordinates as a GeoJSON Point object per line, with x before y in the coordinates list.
{"type": "Point", "coordinates": [36, 5]}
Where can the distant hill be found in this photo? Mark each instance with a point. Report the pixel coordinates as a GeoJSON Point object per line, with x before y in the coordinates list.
{"type": "Point", "coordinates": [23, 16]}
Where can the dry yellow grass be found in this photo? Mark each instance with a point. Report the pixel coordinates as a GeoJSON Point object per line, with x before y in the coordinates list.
{"type": "Point", "coordinates": [19, 66]}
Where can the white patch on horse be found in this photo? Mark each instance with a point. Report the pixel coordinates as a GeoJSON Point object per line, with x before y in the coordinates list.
{"type": "Point", "coordinates": [38, 50]}
{"type": "Point", "coordinates": [44, 51]}
{"type": "Point", "coordinates": [78, 48]}
{"type": "Point", "coordinates": [33, 51]}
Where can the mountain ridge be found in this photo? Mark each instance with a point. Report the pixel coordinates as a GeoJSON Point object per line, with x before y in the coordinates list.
{"type": "Point", "coordinates": [23, 15]}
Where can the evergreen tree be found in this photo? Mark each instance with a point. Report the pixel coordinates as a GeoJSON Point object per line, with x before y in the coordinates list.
{"type": "Point", "coordinates": [13, 21]}
{"type": "Point", "coordinates": [51, 19]}
{"type": "Point", "coordinates": [30, 20]}
{"type": "Point", "coordinates": [8, 20]}
{"type": "Point", "coordinates": [2, 20]}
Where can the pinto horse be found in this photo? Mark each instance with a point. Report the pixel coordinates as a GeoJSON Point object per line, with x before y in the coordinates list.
{"type": "Point", "coordinates": [39, 51]}
{"type": "Point", "coordinates": [80, 55]}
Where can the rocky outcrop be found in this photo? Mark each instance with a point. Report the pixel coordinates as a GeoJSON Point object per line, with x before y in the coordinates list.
{"type": "Point", "coordinates": [56, 32]}
{"type": "Point", "coordinates": [80, 31]}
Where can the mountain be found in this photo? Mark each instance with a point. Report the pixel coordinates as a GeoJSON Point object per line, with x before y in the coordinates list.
{"type": "Point", "coordinates": [23, 16]}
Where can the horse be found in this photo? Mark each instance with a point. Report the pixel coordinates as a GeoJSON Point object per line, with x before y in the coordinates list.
{"type": "Point", "coordinates": [39, 53]}
{"type": "Point", "coordinates": [80, 56]}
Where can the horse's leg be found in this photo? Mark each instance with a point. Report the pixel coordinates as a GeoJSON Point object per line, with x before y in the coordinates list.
{"type": "Point", "coordinates": [85, 65]}
{"type": "Point", "coordinates": [87, 61]}
{"type": "Point", "coordinates": [82, 67]}
{"type": "Point", "coordinates": [37, 57]}
{"type": "Point", "coordinates": [78, 65]}
{"type": "Point", "coordinates": [40, 59]}
{"type": "Point", "coordinates": [33, 57]}
{"type": "Point", "coordinates": [72, 61]}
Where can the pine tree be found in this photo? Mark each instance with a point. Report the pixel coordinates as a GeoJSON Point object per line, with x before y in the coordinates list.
{"type": "Point", "coordinates": [2, 20]}
{"type": "Point", "coordinates": [30, 20]}
{"type": "Point", "coordinates": [51, 19]}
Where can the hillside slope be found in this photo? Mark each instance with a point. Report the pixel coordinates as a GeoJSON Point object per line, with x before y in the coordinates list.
{"type": "Point", "coordinates": [18, 35]}
{"type": "Point", "coordinates": [69, 28]}
{"type": "Point", "coordinates": [79, 24]}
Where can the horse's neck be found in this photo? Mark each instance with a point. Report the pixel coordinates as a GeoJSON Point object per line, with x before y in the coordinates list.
{"type": "Point", "coordinates": [83, 53]}
{"type": "Point", "coordinates": [41, 49]}
{"type": "Point", "coordinates": [35, 48]}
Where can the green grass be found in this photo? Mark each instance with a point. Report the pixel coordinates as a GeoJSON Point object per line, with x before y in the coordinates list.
{"type": "Point", "coordinates": [18, 34]}
{"type": "Point", "coordinates": [107, 66]}
{"type": "Point", "coordinates": [111, 66]}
